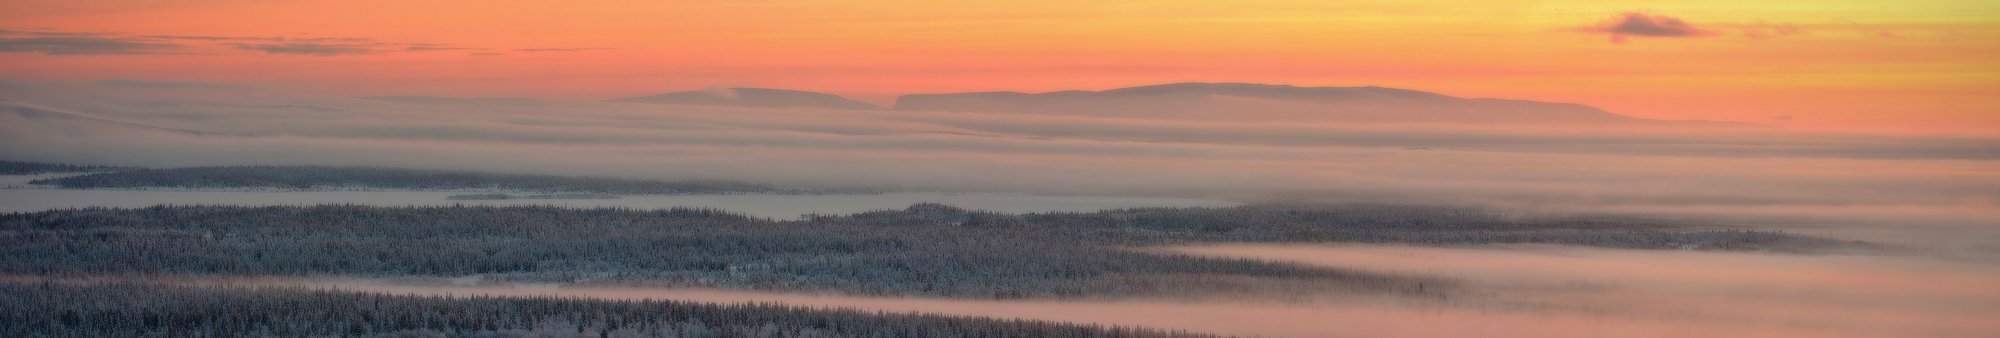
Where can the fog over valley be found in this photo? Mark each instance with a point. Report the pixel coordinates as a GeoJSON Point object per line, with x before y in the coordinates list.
{"type": "Point", "coordinates": [1524, 165]}
{"type": "Point", "coordinates": [1174, 210]}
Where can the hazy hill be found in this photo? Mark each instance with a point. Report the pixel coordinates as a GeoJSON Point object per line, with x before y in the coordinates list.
{"type": "Point", "coordinates": [455, 100]}
{"type": "Point", "coordinates": [1243, 101]}
{"type": "Point", "coordinates": [753, 97]}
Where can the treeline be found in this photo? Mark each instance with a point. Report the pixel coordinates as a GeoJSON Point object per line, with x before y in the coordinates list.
{"type": "Point", "coordinates": [927, 249]}
{"type": "Point", "coordinates": [326, 178]}
{"type": "Point", "coordinates": [671, 247]}
{"type": "Point", "coordinates": [492, 197]}
{"type": "Point", "coordinates": [1354, 223]}
{"type": "Point", "coordinates": [36, 168]}
{"type": "Point", "coordinates": [143, 310]}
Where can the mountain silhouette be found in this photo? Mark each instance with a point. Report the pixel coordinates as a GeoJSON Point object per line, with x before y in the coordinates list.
{"type": "Point", "coordinates": [1263, 102]}
{"type": "Point", "coordinates": [753, 97]}
{"type": "Point", "coordinates": [455, 100]}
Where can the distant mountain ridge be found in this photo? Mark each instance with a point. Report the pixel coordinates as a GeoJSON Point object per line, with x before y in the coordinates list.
{"type": "Point", "coordinates": [1247, 101]}
{"type": "Point", "coordinates": [454, 100]}
{"type": "Point", "coordinates": [753, 97]}
{"type": "Point", "coordinates": [1181, 101]}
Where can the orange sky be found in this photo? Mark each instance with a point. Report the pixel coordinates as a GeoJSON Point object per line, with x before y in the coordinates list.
{"type": "Point", "coordinates": [1902, 65]}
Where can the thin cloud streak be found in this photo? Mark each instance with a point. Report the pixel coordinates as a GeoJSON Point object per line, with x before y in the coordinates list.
{"type": "Point", "coordinates": [308, 49]}
{"type": "Point", "coordinates": [559, 49]}
{"type": "Point", "coordinates": [83, 46]}
{"type": "Point", "coordinates": [95, 43]}
{"type": "Point", "coordinates": [156, 84]}
{"type": "Point", "coordinates": [1644, 24]}
{"type": "Point", "coordinates": [1762, 30]}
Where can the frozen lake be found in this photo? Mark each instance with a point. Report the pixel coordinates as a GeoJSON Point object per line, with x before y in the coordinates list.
{"type": "Point", "coordinates": [773, 206]}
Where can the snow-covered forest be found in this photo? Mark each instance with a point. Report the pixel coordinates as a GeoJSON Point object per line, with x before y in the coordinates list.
{"type": "Point", "coordinates": [925, 250]}
{"type": "Point", "coordinates": [36, 168]}
{"type": "Point", "coordinates": [144, 310]}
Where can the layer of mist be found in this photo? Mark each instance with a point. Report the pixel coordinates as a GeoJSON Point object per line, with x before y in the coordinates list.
{"type": "Point", "coordinates": [1871, 185]}
{"type": "Point", "coordinates": [1929, 199]}
{"type": "Point", "coordinates": [1509, 292]}
{"type": "Point", "coordinates": [1534, 167]}
{"type": "Point", "coordinates": [1549, 291]}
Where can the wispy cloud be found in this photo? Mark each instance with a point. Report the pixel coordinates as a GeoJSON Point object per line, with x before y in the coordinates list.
{"type": "Point", "coordinates": [82, 46]}
{"type": "Point", "coordinates": [557, 49]}
{"type": "Point", "coordinates": [351, 39]}
{"type": "Point", "coordinates": [431, 47]}
{"type": "Point", "coordinates": [1645, 25]}
{"type": "Point", "coordinates": [101, 43]}
{"type": "Point", "coordinates": [48, 34]}
{"type": "Point", "coordinates": [1762, 30]}
{"type": "Point", "coordinates": [316, 49]}
{"type": "Point", "coordinates": [214, 38]}
{"type": "Point", "coordinates": [1870, 29]}
{"type": "Point", "coordinates": [157, 84]}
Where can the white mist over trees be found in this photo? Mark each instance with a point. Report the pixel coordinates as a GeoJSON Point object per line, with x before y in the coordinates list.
{"type": "Point", "coordinates": [1673, 169]}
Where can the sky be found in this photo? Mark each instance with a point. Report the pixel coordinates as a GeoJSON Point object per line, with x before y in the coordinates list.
{"type": "Point", "coordinates": [1905, 66]}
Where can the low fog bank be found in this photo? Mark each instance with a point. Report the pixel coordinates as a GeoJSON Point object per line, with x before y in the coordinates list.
{"type": "Point", "coordinates": [1667, 293]}
{"type": "Point", "coordinates": [1511, 291]}
{"type": "Point", "coordinates": [1943, 183]}
{"type": "Point", "coordinates": [1966, 232]}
